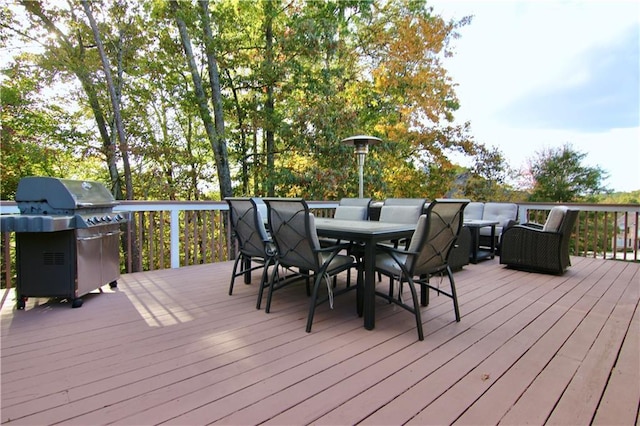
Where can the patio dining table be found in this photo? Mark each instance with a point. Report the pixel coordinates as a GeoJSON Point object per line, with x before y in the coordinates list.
{"type": "Point", "coordinates": [368, 233]}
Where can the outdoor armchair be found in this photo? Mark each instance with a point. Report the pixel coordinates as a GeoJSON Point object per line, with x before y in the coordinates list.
{"type": "Point", "coordinates": [254, 243]}
{"type": "Point", "coordinates": [540, 248]}
{"type": "Point", "coordinates": [300, 255]}
{"type": "Point", "coordinates": [427, 254]}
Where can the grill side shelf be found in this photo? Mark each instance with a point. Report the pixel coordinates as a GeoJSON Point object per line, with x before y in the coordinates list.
{"type": "Point", "coordinates": [35, 223]}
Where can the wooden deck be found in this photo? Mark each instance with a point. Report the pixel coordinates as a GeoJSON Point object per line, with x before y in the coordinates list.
{"type": "Point", "coordinates": [171, 346]}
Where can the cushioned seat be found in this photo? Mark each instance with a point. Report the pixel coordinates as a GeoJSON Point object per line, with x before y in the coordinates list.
{"type": "Point", "coordinates": [540, 248]}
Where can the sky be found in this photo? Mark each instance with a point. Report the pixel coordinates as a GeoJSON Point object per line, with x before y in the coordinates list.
{"type": "Point", "coordinates": [534, 75]}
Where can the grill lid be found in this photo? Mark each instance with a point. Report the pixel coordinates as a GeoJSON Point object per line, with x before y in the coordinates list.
{"type": "Point", "coordinates": [48, 195]}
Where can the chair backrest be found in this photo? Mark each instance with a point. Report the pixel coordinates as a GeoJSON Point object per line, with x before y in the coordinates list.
{"type": "Point", "coordinates": [248, 226]}
{"type": "Point", "coordinates": [568, 222]}
{"type": "Point", "coordinates": [294, 232]}
{"type": "Point", "coordinates": [435, 236]}
{"type": "Point", "coordinates": [555, 219]}
{"type": "Point", "coordinates": [402, 210]}
{"type": "Point", "coordinates": [353, 209]}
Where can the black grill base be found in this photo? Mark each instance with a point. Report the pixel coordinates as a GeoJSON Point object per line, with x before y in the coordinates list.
{"type": "Point", "coordinates": [66, 264]}
{"type": "Point", "coordinates": [45, 264]}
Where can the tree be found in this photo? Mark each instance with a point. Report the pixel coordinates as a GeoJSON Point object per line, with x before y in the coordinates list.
{"type": "Point", "coordinates": [486, 180]}
{"type": "Point", "coordinates": [281, 83]}
{"type": "Point", "coordinates": [214, 127]}
{"type": "Point", "coordinates": [559, 176]}
{"type": "Point", "coordinates": [115, 100]}
{"type": "Point", "coordinates": [36, 138]}
{"type": "Point", "coordinates": [67, 51]}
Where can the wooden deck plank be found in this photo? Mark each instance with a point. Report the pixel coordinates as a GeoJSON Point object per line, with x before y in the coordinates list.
{"type": "Point", "coordinates": [505, 390]}
{"type": "Point", "coordinates": [520, 372]}
{"type": "Point", "coordinates": [177, 409]}
{"type": "Point", "coordinates": [533, 310]}
{"type": "Point", "coordinates": [496, 312]}
{"type": "Point", "coordinates": [541, 397]}
{"type": "Point", "coordinates": [611, 322]}
{"type": "Point", "coordinates": [170, 346]}
{"type": "Point", "coordinates": [621, 400]}
{"type": "Point", "coordinates": [328, 402]}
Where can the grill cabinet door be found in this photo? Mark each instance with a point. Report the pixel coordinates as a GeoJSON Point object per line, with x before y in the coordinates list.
{"type": "Point", "coordinates": [111, 255]}
{"type": "Point", "coordinates": [89, 242]}
{"type": "Point", "coordinates": [45, 264]}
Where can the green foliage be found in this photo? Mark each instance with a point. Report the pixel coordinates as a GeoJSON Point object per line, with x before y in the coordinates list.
{"type": "Point", "coordinates": [335, 69]}
{"type": "Point", "coordinates": [37, 138]}
{"type": "Point", "coordinates": [559, 176]}
{"type": "Point", "coordinates": [632, 197]}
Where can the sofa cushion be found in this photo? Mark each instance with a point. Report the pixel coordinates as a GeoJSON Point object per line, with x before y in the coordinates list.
{"type": "Point", "coordinates": [473, 211]}
{"type": "Point", "coordinates": [501, 212]}
{"type": "Point", "coordinates": [554, 220]}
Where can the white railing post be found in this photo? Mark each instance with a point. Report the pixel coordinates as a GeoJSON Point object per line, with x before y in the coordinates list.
{"type": "Point", "coordinates": [175, 238]}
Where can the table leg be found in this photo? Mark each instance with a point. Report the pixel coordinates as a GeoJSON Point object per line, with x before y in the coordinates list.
{"type": "Point", "coordinates": [493, 241]}
{"type": "Point", "coordinates": [369, 286]}
{"type": "Point", "coordinates": [475, 241]}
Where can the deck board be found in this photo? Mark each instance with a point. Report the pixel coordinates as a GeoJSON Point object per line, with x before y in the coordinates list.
{"type": "Point", "coordinates": [171, 347]}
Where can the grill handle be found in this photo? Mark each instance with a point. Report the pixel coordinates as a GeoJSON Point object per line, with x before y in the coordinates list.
{"type": "Point", "coordinates": [89, 238]}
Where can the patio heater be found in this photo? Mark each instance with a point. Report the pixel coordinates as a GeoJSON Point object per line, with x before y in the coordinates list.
{"type": "Point", "coordinates": [361, 144]}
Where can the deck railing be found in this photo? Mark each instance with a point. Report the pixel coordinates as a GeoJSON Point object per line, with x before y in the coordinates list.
{"type": "Point", "coordinates": [172, 234]}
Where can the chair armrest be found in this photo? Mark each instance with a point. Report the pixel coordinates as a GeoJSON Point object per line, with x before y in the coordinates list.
{"type": "Point", "coordinates": [335, 247]}
{"type": "Point", "coordinates": [509, 224]}
{"type": "Point", "coordinates": [395, 250]}
{"type": "Point", "coordinates": [533, 225]}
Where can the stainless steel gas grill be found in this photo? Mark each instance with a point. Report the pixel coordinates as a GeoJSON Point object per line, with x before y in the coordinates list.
{"type": "Point", "coordinates": [67, 238]}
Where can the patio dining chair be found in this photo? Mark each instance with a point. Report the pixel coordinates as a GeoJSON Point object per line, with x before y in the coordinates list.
{"type": "Point", "coordinates": [353, 209]}
{"type": "Point", "coordinates": [300, 255]}
{"type": "Point", "coordinates": [254, 243]}
{"type": "Point", "coordinates": [427, 255]}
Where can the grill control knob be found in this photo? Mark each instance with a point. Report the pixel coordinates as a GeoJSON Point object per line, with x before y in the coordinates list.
{"type": "Point", "coordinates": [118, 217]}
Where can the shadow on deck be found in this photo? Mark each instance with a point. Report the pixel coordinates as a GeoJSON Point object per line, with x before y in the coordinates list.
{"type": "Point", "coordinates": [170, 346]}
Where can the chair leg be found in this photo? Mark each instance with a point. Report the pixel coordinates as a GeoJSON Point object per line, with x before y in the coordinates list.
{"type": "Point", "coordinates": [263, 282]}
{"type": "Point", "coordinates": [454, 294]}
{"type": "Point", "coordinates": [416, 308]}
{"type": "Point", "coordinates": [312, 302]}
{"type": "Point", "coordinates": [360, 292]}
{"type": "Point", "coordinates": [272, 283]}
{"type": "Point", "coordinates": [234, 273]}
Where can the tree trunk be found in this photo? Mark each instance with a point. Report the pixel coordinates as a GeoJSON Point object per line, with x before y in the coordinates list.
{"type": "Point", "coordinates": [269, 103]}
{"type": "Point", "coordinates": [221, 163]}
{"type": "Point", "coordinates": [81, 71]}
{"type": "Point", "coordinates": [222, 158]}
{"type": "Point", "coordinates": [115, 102]}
